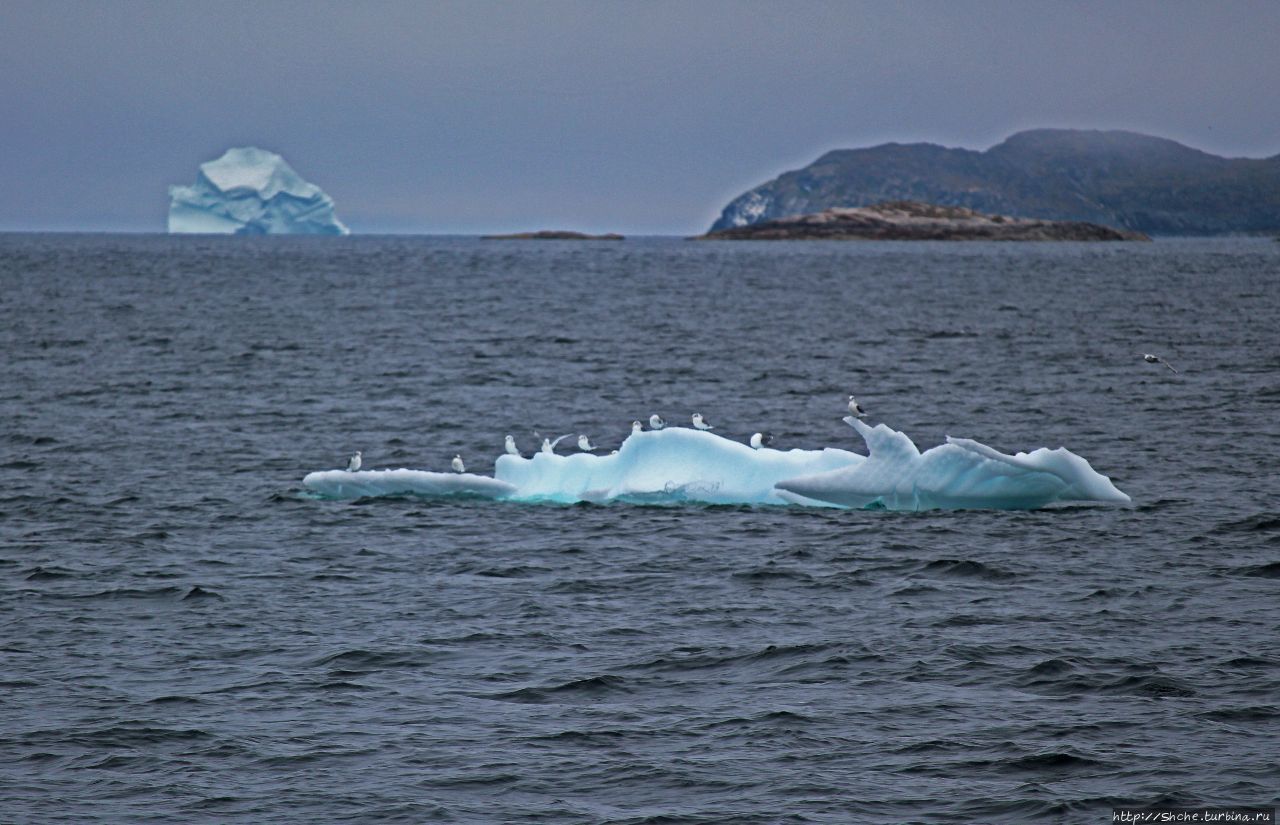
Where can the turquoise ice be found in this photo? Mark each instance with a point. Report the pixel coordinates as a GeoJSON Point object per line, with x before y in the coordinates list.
{"type": "Point", "coordinates": [677, 465]}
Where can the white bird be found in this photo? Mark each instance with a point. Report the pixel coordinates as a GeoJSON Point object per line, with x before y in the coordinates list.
{"type": "Point", "coordinates": [457, 465]}
{"type": "Point", "coordinates": [353, 463]}
{"type": "Point", "coordinates": [1156, 359]}
{"type": "Point", "coordinates": [757, 440]}
{"type": "Point", "coordinates": [549, 446]}
{"type": "Point", "coordinates": [656, 422]}
{"type": "Point", "coordinates": [637, 427]}
{"type": "Point", "coordinates": [511, 446]}
{"type": "Point", "coordinates": [856, 408]}
{"type": "Point", "coordinates": [585, 444]}
{"type": "Point", "coordinates": [699, 424]}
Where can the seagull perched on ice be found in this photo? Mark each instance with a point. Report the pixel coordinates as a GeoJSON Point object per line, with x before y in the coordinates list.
{"type": "Point", "coordinates": [656, 422]}
{"type": "Point", "coordinates": [549, 446]}
{"type": "Point", "coordinates": [699, 424]}
{"type": "Point", "coordinates": [1156, 359]}
{"type": "Point", "coordinates": [856, 408]}
{"type": "Point", "coordinates": [511, 446]}
{"type": "Point", "coordinates": [585, 444]}
{"type": "Point", "coordinates": [457, 465]}
{"type": "Point", "coordinates": [759, 440]}
{"type": "Point", "coordinates": [637, 427]}
{"type": "Point", "coordinates": [353, 463]}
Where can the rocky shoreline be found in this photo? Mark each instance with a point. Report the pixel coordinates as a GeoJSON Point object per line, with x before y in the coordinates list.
{"type": "Point", "coordinates": [916, 221]}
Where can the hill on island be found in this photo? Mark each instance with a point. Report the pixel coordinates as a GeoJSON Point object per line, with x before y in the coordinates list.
{"type": "Point", "coordinates": [1123, 179]}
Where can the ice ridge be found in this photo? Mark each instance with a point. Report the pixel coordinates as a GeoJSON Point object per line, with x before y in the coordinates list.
{"type": "Point", "coordinates": [962, 473]}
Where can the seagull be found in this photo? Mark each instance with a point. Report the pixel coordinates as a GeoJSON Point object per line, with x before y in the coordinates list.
{"type": "Point", "coordinates": [656, 422]}
{"type": "Point", "coordinates": [699, 424]}
{"type": "Point", "coordinates": [637, 427]}
{"type": "Point", "coordinates": [457, 465]}
{"type": "Point", "coordinates": [353, 463]}
{"type": "Point", "coordinates": [1156, 359]}
{"type": "Point", "coordinates": [585, 444]}
{"type": "Point", "coordinates": [511, 446]}
{"type": "Point", "coordinates": [549, 446]}
{"type": "Point", "coordinates": [759, 440]}
{"type": "Point", "coordinates": [856, 408]}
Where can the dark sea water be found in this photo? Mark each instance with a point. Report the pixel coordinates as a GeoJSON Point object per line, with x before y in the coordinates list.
{"type": "Point", "coordinates": [186, 637]}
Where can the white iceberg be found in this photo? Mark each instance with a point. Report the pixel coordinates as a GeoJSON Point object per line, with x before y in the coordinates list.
{"type": "Point", "coordinates": [371, 483]}
{"type": "Point", "coordinates": [672, 465]}
{"type": "Point", "coordinates": [250, 191]}
{"type": "Point", "coordinates": [959, 474]}
{"type": "Point", "coordinates": [678, 465]}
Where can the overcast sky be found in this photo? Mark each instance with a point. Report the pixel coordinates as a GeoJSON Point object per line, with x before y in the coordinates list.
{"type": "Point", "coordinates": [640, 117]}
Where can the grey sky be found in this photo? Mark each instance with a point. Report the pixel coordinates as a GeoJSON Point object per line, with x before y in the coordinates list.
{"type": "Point", "coordinates": [641, 117]}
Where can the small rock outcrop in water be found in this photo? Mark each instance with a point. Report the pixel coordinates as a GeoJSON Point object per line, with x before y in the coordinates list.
{"type": "Point", "coordinates": [554, 235]}
{"type": "Point", "coordinates": [914, 221]}
{"type": "Point", "coordinates": [250, 191]}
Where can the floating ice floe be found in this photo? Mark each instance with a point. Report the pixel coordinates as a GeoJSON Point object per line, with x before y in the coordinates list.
{"type": "Point", "coordinates": [678, 464]}
{"type": "Point", "coordinates": [959, 474]}
{"type": "Point", "coordinates": [369, 483]}
{"type": "Point", "coordinates": [250, 191]}
{"type": "Point", "coordinates": [670, 465]}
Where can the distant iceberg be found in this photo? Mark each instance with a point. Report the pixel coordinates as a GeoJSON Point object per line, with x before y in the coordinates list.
{"type": "Point", "coordinates": [250, 191]}
{"type": "Point", "coordinates": [681, 465]}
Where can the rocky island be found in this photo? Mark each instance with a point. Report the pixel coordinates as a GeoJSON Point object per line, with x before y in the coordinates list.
{"type": "Point", "coordinates": [915, 221]}
{"type": "Point", "coordinates": [1123, 179]}
{"type": "Point", "coordinates": [553, 235]}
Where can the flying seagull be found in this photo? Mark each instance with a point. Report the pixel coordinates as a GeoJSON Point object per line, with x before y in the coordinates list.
{"type": "Point", "coordinates": [511, 446]}
{"type": "Point", "coordinates": [353, 463]}
{"type": "Point", "coordinates": [585, 444]}
{"type": "Point", "coordinates": [656, 422]}
{"type": "Point", "coordinates": [699, 424]}
{"type": "Point", "coordinates": [856, 408]}
{"type": "Point", "coordinates": [1156, 359]}
{"type": "Point", "coordinates": [457, 465]}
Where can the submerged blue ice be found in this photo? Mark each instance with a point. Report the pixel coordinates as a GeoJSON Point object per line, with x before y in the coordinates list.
{"type": "Point", "coordinates": [685, 465]}
{"type": "Point", "coordinates": [250, 191]}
